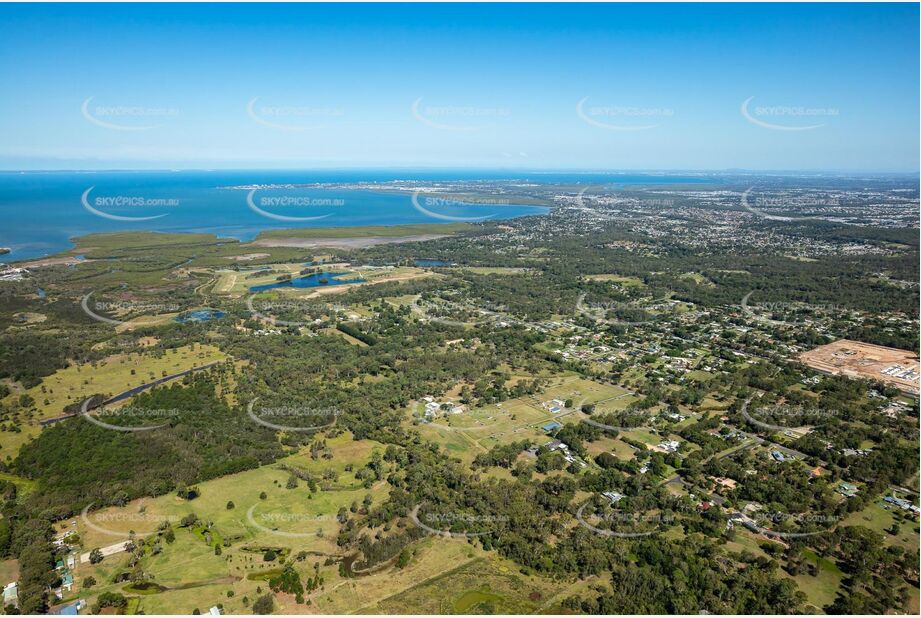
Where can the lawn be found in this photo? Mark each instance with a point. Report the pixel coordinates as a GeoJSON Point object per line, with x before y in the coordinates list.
{"type": "Point", "coordinates": [877, 517]}
{"type": "Point", "coordinates": [646, 437]}
{"type": "Point", "coordinates": [745, 541]}
{"type": "Point", "coordinates": [24, 486]}
{"type": "Point", "coordinates": [9, 571]}
{"type": "Point", "coordinates": [581, 390]}
{"type": "Point", "coordinates": [615, 446]}
{"type": "Point", "coordinates": [822, 589]}
{"type": "Point", "coordinates": [472, 432]}
{"type": "Point", "coordinates": [457, 443]}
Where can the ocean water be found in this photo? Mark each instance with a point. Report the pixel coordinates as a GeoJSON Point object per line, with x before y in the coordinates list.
{"type": "Point", "coordinates": [42, 211]}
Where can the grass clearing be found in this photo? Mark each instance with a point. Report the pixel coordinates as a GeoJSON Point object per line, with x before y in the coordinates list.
{"type": "Point", "coordinates": [821, 589]}
{"type": "Point", "coordinates": [288, 520]}
{"type": "Point", "coordinates": [627, 282]}
{"type": "Point", "coordinates": [615, 446]}
{"type": "Point", "coordinates": [879, 518]}
{"type": "Point", "coordinates": [9, 571]}
{"type": "Point", "coordinates": [111, 376]}
{"type": "Point", "coordinates": [484, 584]}
{"type": "Point", "coordinates": [495, 270]}
{"type": "Point", "coordinates": [476, 430]}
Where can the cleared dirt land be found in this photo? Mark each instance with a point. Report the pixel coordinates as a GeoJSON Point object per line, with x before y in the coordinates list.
{"type": "Point", "coordinates": [892, 366]}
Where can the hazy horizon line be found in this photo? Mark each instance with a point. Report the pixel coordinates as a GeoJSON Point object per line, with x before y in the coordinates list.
{"type": "Point", "coordinates": [533, 170]}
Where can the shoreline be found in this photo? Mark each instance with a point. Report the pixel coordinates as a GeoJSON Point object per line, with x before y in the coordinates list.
{"type": "Point", "coordinates": [349, 237]}
{"type": "Point", "coordinates": [357, 242]}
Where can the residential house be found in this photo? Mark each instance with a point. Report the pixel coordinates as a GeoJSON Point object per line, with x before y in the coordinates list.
{"type": "Point", "coordinates": [847, 489]}
{"type": "Point", "coordinates": [11, 594]}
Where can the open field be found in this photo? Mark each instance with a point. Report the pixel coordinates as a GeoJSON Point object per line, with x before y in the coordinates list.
{"type": "Point", "coordinates": [110, 376]}
{"type": "Point", "coordinates": [821, 589]}
{"type": "Point", "coordinates": [864, 360]}
{"type": "Point", "coordinates": [876, 516]}
{"type": "Point", "coordinates": [457, 443]}
{"type": "Point", "coordinates": [23, 485]}
{"type": "Point", "coordinates": [628, 282]}
{"type": "Point", "coordinates": [9, 571]}
{"type": "Point", "coordinates": [746, 541]}
{"type": "Point", "coordinates": [472, 432]}
{"type": "Point", "coordinates": [290, 520]}
{"type": "Point", "coordinates": [583, 391]}
{"type": "Point", "coordinates": [482, 584]}
{"type": "Point", "coordinates": [443, 576]}
{"type": "Point", "coordinates": [296, 511]}
{"type": "Point", "coordinates": [615, 446]}
{"type": "Point", "coordinates": [468, 434]}
{"type": "Point", "coordinates": [495, 270]}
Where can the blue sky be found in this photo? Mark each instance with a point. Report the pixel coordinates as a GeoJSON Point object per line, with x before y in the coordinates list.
{"type": "Point", "coordinates": [829, 86]}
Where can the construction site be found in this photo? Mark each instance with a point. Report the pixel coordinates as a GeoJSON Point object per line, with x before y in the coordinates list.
{"type": "Point", "coordinates": [898, 368]}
